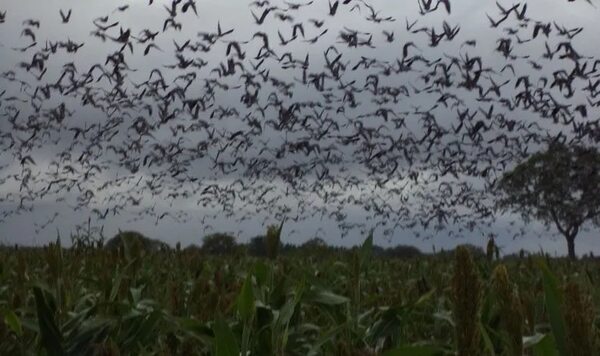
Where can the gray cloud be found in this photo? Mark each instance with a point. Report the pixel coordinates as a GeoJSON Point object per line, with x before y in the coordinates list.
{"type": "Point", "coordinates": [470, 15]}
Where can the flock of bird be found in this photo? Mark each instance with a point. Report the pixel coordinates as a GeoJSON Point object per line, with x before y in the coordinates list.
{"type": "Point", "coordinates": [409, 123]}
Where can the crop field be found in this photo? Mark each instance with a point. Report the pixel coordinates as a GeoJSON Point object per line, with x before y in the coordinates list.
{"type": "Point", "coordinates": [129, 301]}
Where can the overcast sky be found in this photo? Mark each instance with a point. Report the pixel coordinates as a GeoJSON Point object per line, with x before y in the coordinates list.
{"type": "Point", "coordinates": [40, 225]}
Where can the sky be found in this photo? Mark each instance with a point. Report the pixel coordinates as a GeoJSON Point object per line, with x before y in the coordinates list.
{"type": "Point", "coordinates": [191, 217]}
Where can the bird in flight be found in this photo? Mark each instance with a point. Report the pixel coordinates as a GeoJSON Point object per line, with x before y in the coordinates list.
{"type": "Point", "coordinates": [65, 17]}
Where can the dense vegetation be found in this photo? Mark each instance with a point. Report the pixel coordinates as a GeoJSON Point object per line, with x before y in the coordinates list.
{"type": "Point", "coordinates": [136, 300]}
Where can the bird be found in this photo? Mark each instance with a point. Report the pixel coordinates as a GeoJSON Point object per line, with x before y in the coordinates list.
{"type": "Point", "coordinates": [389, 36]}
{"type": "Point", "coordinates": [189, 4]}
{"type": "Point", "coordinates": [588, 1]}
{"type": "Point", "coordinates": [122, 8]}
{"type": "Point", "coordinates": [148, 47]}
{"type": "Point", "coordinates": [260, 3]}
{"type": "Point", "coordinates": [221, 33]}
{"type": "Point", "coordinates": [28, 32]}
{"type": "Point", "coordinates": [65, 17]}
{"type": "Point", "coordinates": [425, 6]}
{"type": "Point", "coordinates": [333, 7]}
{"type": "Point", "coordinates": [496, 23]}
{"type": "Point", "coordinates": [260, 20]}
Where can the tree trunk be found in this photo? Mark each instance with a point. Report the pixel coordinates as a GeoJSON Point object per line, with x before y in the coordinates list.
{"type": "Point", "coordinates": [571, 247]}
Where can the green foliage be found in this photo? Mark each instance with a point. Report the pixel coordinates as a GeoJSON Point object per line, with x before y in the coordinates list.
{"type": "Point", "coordinates": [225, 343]}
{"type": "Point", "coordinates": [51, 338]}
{"type": "Point", "coordinates": [12, 321]}
{"type": "Point", "coordinates": [57, 301]}
{"type": "Point", "coordinates": [245, 301]}
{"type": "Point", "coordinates": [553, 300]}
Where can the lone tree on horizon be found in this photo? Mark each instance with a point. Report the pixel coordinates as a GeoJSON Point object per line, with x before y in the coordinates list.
{"type": "Point", "coordinates": [559, 186]}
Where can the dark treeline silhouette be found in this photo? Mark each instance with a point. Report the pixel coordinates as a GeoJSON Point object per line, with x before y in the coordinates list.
{"type": "Point", "coordinates": [225, 245]}
{"type": "Point", "coordinates": [222, 244]}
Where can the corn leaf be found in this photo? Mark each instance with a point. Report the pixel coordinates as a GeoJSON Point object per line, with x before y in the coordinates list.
{"type": "Point", "coordinates": [225, 343]}
{"type": "Point", "coordinates": [553, 300]}
{"type": "Point", "coordinates": [14, 323]}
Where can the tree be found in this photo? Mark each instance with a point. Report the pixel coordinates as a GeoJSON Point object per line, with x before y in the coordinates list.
{"type": "Point", "coordinates": [218, 244]}
{"type": "Point", "coordinates": [134, 239]}
{"type": "Point", "coordinates": [315, 246]}
{"type": "Point", "coordinates": [256, 246]}
{"type": "Point", "coordinates": [559, 186]}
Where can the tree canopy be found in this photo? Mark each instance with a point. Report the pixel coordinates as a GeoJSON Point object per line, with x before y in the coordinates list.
{"type": "Point", "coordinates": [558, 186]}
{"type": "Point", "coordinates": [218, 244]}
{"type": "Point", "coordinates": [134, 238]}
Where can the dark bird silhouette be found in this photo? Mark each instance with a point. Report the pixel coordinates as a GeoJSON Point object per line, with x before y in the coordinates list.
{"type": "Point", "coordinates": [297, 6]}
{"type": "Point", "coordinates": [545, 28]}
{"type": "Point", "coordinates": [283, 41]}
{"type": "Point", "coordinates": [189, 4]}
{"type": "Point", "coordinates": [148, 47]}
{"type": "Point", "coordinates": [317, 23]}
{"type": "Point", "coordinates": [389, 36]}
{"type": "Point", "coordinates": [29, 22]}
{"type": "Point", "coordinates": [106, 27]}
{"type": "Point", "coordinates": [29, 33]}
{"type": "Point", "coordinates": [65, 17]}
{"type": "Point", "coordinates": [259, 3]}
{"type": "Point", "coordinates": [333, 7]}
{"type": "Point", "coordinates": [121, 8]}
{"type": "Point", "coordinates": [588, 1]}
{"type": "Point", "coordinates": [170, 22]}
{"type": "Point", "coordinates": [221, 33]}
{"type": "Point", "coordinates": [181, 48]}
{"type": "Point", "coordinates": [495, 23]}
{"type": "Point", "coordinates": [260, 20]}
{"type": "Point", "coordinates": [570, 33]}
{"type": "Point", "coordinates": [425, 6]}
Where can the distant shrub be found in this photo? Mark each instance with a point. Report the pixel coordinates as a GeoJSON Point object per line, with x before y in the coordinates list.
{"type": "Point", "coordinates": [314, 243]}
{"type": "Point", "coordinates": [219, 244]}
{"type": "Point", "coordinates": [378, 251]}
{"type": "Point", "coordinates": [192, 248]}
{"type": "Point", "coordinates": [476, 251]}
{"type": "Point", "coordinates": [136, 240]}
{"type": "Point", "coordinates": [289, 248]}
{"type": "Point", "coordinates": [403, 251]}
{"type": "Point", "coordinates": [256, 246]}
{"type": "Point", "coordinates": [318, 248]}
